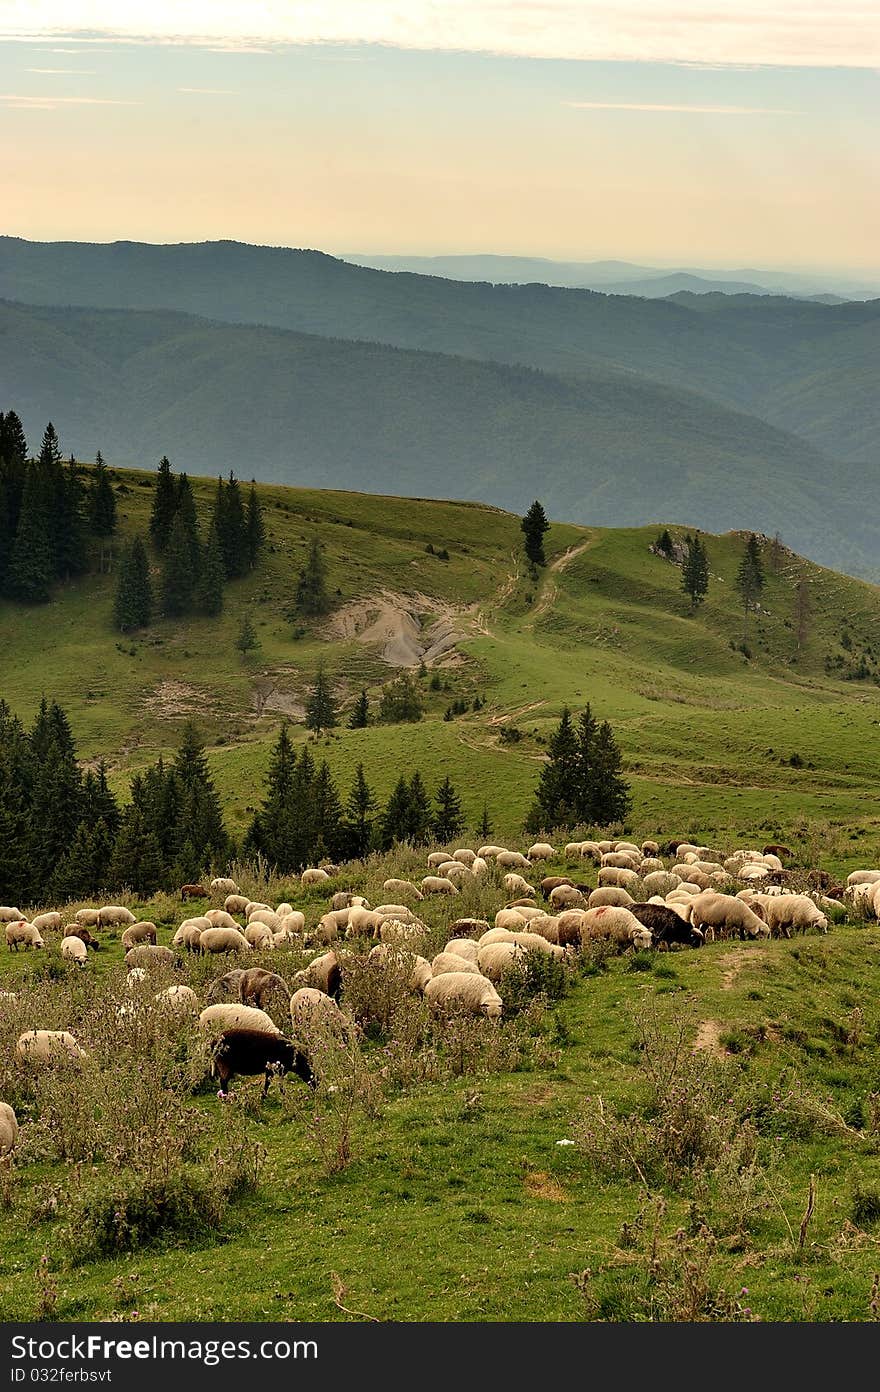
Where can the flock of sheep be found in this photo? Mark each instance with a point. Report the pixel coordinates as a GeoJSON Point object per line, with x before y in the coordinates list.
{"type": "Point", "coordinates": [638, 903]}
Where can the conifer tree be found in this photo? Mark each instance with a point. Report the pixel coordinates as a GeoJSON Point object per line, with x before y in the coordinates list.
{"type": "Point", "coordinates": [326, 815]}
{"type": "Point", "coordinates": [57, 787]}
{"type": "Point", "coordinates": [448, 819]}
{"type": "Point", "coordinates": [485, 826]}
{"type": "Point", "coordinates": [235, 538]}
{"type": "Point", "coordinates": [321, 705]}
{"type": "Point", "coordinates": [164, 505]}
{"type": "Point", "coordinates": [533, 526]}
{"type": "Point", "coordinates": [272, 831]}
{"type": "Point", "coordinates": [209, 594]}
{"type": "Point", "coordinates": [186, 514]}
{"type": "Point", "coordinates": [420, 814]}
{"type": "Point", "coordinates": [750, 576]}
{"type": "Point", "coordinates": [395, 819]}
{"type": "Point", "coordinates": [312, 598]}
{"type": "Point", "coordinates": [247, 640]}
{"type": "Point", "coordinates": [101, 508]}
{"type": "Point", "coordinates": [358, 821]}
{"type": "Point", "coordinates": [31, 567]}
{"type": "Point", "coordinates": [200, 812]}
{"type": "Point", "coordinates": [133, 604]}
{"type": "Point", "coordinates": [69, 520]}
{"type": "Point", "coordinates": [137, 862]}
{"type": "Point", "coordinates": [611, 792]}
{"type": "Point", "coordinates": [256, 530]}
{"type": "Point", "coordinates": [360, 716]}
{"type": "Point", "coordinates": [401, 700]}
{"type": "Point", "coordinates": [179, 576]}
{"type": "Point", "coordinates": [558, 784]}
{"type": "Point", "coordinates": [695, 571]}
{"type": "Point", "coordinates": [98, 802]}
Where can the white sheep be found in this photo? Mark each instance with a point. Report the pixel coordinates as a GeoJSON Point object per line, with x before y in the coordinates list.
{"type": "Point", "coordinates": [87, 917]}
{"type": "Point", "coordinates": [9, 915]}
{"type": "Point", "coordinates": [542, 850]}
{"type": "Point", "coordinates": [418, 968]}
{"type": "Point", "coordinates": [314, 875]}
{"type": "Point", "coordinates": [219, 918]}
{"type": "Point", "coordinates": [143, 932]}
{"type": "Point", "coordinates": [215, 1019]}
{"type": "Point", "coordinates": [495, 958]}
{"type": "Point", "coordinates": [260, 936]}
{"type": "Point", "coordinates": [610, 894]}
{"type": "Point", "coordinates": [314, 1013]}
{"type": "Point", "coordinates": [8, 1129]}
{"type": "Point", "coordinates": [223, 940]}
{"type": "Point", "coordinates": [466, 991]}
{"type": "Point", "coordinates": [235, 904]}
{"type": "Point", "coordinates": [22, 934]}
{"type": "Point", "coordinates": [179, 1000]}
{"type": "Point", "coordinates": [787, 913]}
{"type": "Point", "coordinates": [114, 916]}
{"type": "Point", "coordinates": [466, 856]}
{"type": "Point", "coordinates": [567, 897]}
{"type": "Point", "coordinates": [404, 889]}
{"type": "Point", "coordinates": [47, 1046]}
{"type": "Point", "coordinates": [466, 948]}
{"type": "Point", "coordinates": [437, 884]}
{"type": "Point", "coordinates": [224, 886]}
{"type": "Point", "coordinates": [74, 950]}
{"type": "Point", "coordinates": [512, 860]}
{"type": "Point", "coordinates": [47, 922]}
{"type": "Point", "coordinates": [452, 962]}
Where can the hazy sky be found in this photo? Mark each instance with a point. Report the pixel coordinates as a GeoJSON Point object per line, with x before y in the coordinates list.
{"type": "Point", "coordinates": [732, 133]}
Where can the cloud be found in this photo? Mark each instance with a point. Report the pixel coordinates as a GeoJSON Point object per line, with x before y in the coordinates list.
{"type": "Point", "coordinates": [683, 107]}
{"type": "Point", "coordinates": [813, 33]}
{"type": "Point", "coordinates": [50, 102]}
{"type": "Point", "coordinates": [209, 91]}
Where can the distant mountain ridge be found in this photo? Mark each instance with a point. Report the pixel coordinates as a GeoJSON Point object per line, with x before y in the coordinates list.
{"type": "Point", "coordinates": [611, 449]}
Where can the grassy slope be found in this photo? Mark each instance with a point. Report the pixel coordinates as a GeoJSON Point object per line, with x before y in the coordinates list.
{"type": "Point", "coordinates": [705, 734]}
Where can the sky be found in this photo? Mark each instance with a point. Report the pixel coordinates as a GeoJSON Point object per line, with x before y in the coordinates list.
{"type": "Point", "coordinates": [685, 133]}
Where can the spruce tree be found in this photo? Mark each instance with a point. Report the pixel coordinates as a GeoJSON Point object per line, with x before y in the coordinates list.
{"type": "Point", "coordinates": [360, 716]}
{"type": "Point", "coordinates": [164, 505]}
{"type": "Point", "coordinates": [448, 819]}
{"type": "Point", "coordinates": [533, 526]}
{"type": "Point", "coordinates": [321, 706]}
{"type": "Point", "coordinates": [101, 508]}
{"type": "Point", "coordinates": [98, 802]}
{"type": "Point", "coordinates": [200, 814]}
{"type": "Point", "coordinates": [133, 604]}
{"type": "Point", "coordinates": [186, 514]}
{"type": "Point", "coordinates": [358, 822]}
{"type": "Point", "coordinates": [695, 571]}
{"type": "Point", "coordinates": [312, 598]}
{"type": "Point", "coordinates": [395, 819]}
{"type": "Point", "coordinates": [69, 520]}
{"type": "Point", "coordinates": [57, 788]}
{"type": "Point", "coordinates": [557, 793]}
{"type": "Point", "coordinates": [750, 576]}
{"type": "Point", "coordinates": [247, 640]}
{"type": "Point", "coordinates": [179, 576]}
{"type": "Point", "coordinates": [137, 862]}
{"type": "Point", "coordinates": [17, 765]}
{"type": "Point", "coordinates": [420, 813]}
{"type": "Point", "coordinates": [31, 563]}
{"type": "Point", "coordinates": [256, 531]}
{"type": "Point", "coordinates": [485, 826]}
{"type": "Point", "coordinates": [326, 815]}
{"type": "Point", "coordinates": [272, 832]}
{"type": "Point", "coordinates": [401, 700]}
{"type": "Point", "coordinates": [236, 541]}
{"type": "Point", "coordinates": [209, 593]}
{"type": "Point", "coordinates": [611, 792]}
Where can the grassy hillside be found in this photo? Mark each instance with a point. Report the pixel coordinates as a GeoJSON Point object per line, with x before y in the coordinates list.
{"type": "Point", "coordinates": [741, 357]}
{"type": "Point", "coordinates": [611, 448]}
{"type": "Point", "coordinates": [715, 742]}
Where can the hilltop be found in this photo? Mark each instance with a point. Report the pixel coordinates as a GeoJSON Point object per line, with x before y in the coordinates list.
{"type": "Point", "coordinates": [762, 741]}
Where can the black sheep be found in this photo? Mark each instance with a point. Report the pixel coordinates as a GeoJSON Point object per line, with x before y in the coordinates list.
{"type": "Point", "coordinates": [666, 926]}
{"type": "Point", "coordinates": [250, 1051]}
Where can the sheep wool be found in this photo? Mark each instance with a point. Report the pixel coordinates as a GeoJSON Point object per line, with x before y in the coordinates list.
{"type": "Point", "coordinates": [214, 1019]}
{"type": "Point", "coordinates": [8, 1129]}
{"type": "Point", "coordinates": [464, 991]}
{"type": "Point", "coordinates": [48, 1046]}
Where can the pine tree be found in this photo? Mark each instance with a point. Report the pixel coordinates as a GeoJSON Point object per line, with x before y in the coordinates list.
{"type": "Point", "coordinates": [98, 802]}
{"type": "Point", "coordinates": [420, 816]}
{"type": "Point", "coordinates": [611, 792]}
{"type": "Point", "coordinates": [256, 531]}
{"type": "Point", "coordinates": [200, 806]}
{"type": "Point", "coordinates": [312, 598]}
{"type": "Point", "coordinates": [448, 819]}
{"type": "Point", "coordinates": [533, 526]}
{"type": "Point", "coordinates": [558, 790]}
{"type": "Point", "coordinates": [13, 469]}
{"type": "Point", "coordinates": [179, 577]}
{"type": "Point", "coordinates": [695, 571]}
{"type": "Point", "coordinates": [395, 819]}
{"type": "Point", "coordinates": [57, 788]}
{"type": "Point", "coordinates": [209, 594]}
{"type": "Point", "coordinates": [84, 870]}
{"type": "Point", "coordinates": [137, 862]}
{"type": "Point", "coordinates": [133, 604]}
{"type": "Point", "coordinates": [236, 541]}
{"type": "Point", "coordinates": [750, 576]}
{"type": "Point", "coordinates": [326, 815]}
{"type": "Point", "coordinates": [272, 831]}
{"type": "Point", "coordinates": [17, 765]}
{"type": "Point", "coordinates": [101, 507]}
{"type": "Point", "coordinates": [485, 827]}
{"type": "Point", "coordinates": [358, 822]}
{"type": "Point", "coordinates": [164, 505]}
{"type": "Point", "coordinates": [360, 716]}
{"type": "Point", "coordinates": [68, 515]}
{"type": "Point", "coordinates": [185, 514]}
{"type": "Point", "coordinates": [321, 706]}
{"type": "Point", "coordinates": [247, 640]}
{"type": "Point", "coordinates": [31, 566]}
{"type": "Point", "coordinates": [664, 543]}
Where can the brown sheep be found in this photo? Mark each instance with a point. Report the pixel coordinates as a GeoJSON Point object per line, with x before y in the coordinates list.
{"type": "Point", "coordinates": [193, 891]}
{"type": "Point", "coordinates": [142, 932]}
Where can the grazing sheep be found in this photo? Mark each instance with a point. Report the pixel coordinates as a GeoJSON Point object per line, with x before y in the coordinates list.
{"type": "Point", "coordinates": [234, 1015]}
{"type": "Point", "coordinates": [225, 988]}
{"type": "Point", "coordinates": [552, 882]}
{"type": "Point", "coordinates": [143, 932]}
{"type": "Point", "coordinates": [467, 857]}
{"type": "Point", "coordinates": [323, 973]}
{"type": "Point", "coordinates": [260, 937]}
{"type": "Point", "coordinates": [572, 850]}
{"type": "Point", "coordinates": [726, 914]}
{"type": "Point", "coordinates": [401, 911]}
{"type": "Point", "coordinates": [419, 968]}
{"type": "Point", "coordinates": [224, 886]}
{"type": "Point", "coordinates": [479, 867]}
{"type": "Point", "coordinates": [22, 934]}
{"type": "Point", "coordinates": [660, 882]}
{"type": "Point", "coordinates": [512, 860]}
{"type": "Point", "coordinates": [47, 1046]}
{"type": "Point", "coordinates": [74, 950]}
{"type": "Point", "coordinates": [8, 915]}
{"type": "Point", "coordinates": [568, 927]}
{"type": "Point", "coordinates": [437, 858]}
{"type": "Point", "coordinates": [193, 891]}
{"type": "Point", "coordinates": [541, 850]}
{"type": "Point", "coordinates": [453, 962]}
{"type": "Point", "coordinates": [219, 918]}
{"type": "Point", "coordinates": [650, 848]}
{"type": "Point", "coordinates": [515, 884]}
{"type": "Point", "coordinates": [490, 852]}
{"type": "Point", "coordinates": [616, 925]}
{"type": "Point", "coordinates": [87, 917]}
{"type": "Point", "coordinates": [253, 906]}
{"type": "Point", "coordinates": [787, 913]}
{"type": "Point", "coordinates": [314, 1012]}
{"type": "Point", "coordinates": [404, 889]}
{"type": "Point", "coordinates": [363, 920]}
{"type": "Point", "coordinates": [614, 875]}
{"type": "Point", "coordinates": [248, 1052]}
{"type": "Point", "coordinates": [345, 898]}
{"type": "Point", "coordinates": [495, 958]}
{"type": "Point", "coordinates": [456, 872]}
{"type": "Point", "coordinates": [8, 1129]}
{"type": "Point", "coordinates": [263, 989]}
{"type": "Point", "coordinates": [502, 933]}
{"type": "Point", "coordinates": [546, 925]}
{"type": "Point", "coordinates": [436, 884]}
{"type": "Point", "coordinates": [326, 930]}
{"type": "Point", "coordinates": [466, 948]}
{"type": "Point", "coordinates": [114, 916]}
{"type": "Point", "coordinates": [47, 922]}
{"type": "Point", "coordinates": [180, 1000]}
{"type": "Point", "coordinates": [235, 904]}
{"type": "Point", "coordinates": [79, 930]}
{"type": "Point", "coordinates": [149, 956]}
{"type": "Point", "coordinates": [293, 922]}
{"type": "Point", "coordinates": [509, 919]}
{"type": "Point", "coordinates": [567, 897]}
{"type": "Point", "coordinates": [188, 935]}
{"type": "Point", "coordinates": [411, 934]}
{"type": "Point", "coordinates": [313, 876]}
{"type": "Point", "coordinates": [268, 917]}
{"type": "Point", "coordinates": [863, 877]}
{"type": "Point", "coordinates": [468, 928]}
{"type": "Point", "coordinates": [622, 860]}
{"type": "Point", "coordinates": [666, 926]}
{"type": "Point", "coordinates": [610, 894]}
{"type": "Point", "coordinates": [536, 942]}
{"type": "Point", "coordinates": [464, 990]}
{"type": "Point", "coordinates": [223, 940]}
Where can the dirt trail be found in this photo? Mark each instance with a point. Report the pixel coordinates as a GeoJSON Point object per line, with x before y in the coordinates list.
{"type": "Point", "coordinates": [550, 589]}
{"type": "Point", "coordinates": [708, 1039]}
{"type": "Point", "coordinates": [708, 1036]}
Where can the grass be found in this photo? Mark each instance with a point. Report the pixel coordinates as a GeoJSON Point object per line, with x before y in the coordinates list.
{"type": "Point", "coordinates": [708, 736]}
{"type": "Point", "coordinates": [458, 1203]}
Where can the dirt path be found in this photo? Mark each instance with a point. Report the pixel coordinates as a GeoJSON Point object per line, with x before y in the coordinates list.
{"type": "Point", "coordinates": [708, 1036]}
{"type": "Point", "coordinates": [502, 594]}
{"type": "Point", "coordinates": [550, 589]}
{"type": "Point", "coordinates": [708, 1039]}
